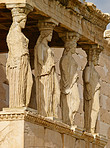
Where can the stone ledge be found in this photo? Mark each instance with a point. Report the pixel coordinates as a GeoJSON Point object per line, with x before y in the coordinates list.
{"type": "Point", "coordinates": [32, 116]}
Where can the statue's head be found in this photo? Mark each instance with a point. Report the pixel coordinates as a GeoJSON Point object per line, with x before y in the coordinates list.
{"type": "Point", "coordinates": [19, 16]}
{"type": "Point", "coordinates": [70, 39]}
{"type": "Point", "coordinates": [93, 56]}
{"type": "Point", "coordinates": [70, 46]}
{"type": "Point", "coordinates": [47, 34]}
{"type": "Point", "coordinates": [46, 30]}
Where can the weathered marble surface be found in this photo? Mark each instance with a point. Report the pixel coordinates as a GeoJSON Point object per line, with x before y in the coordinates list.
{"type": "Point", "coordinates": [91, 90]}
{"type": "Point", "coordinates": [12, 134]}
{"type": "Point", "coordinates": [18, 69]}
{"type": "Point", "coordinates": [70, 99]}
{"type": "Point", "coordinates": [24, 128]}
{"type": "Point", "coordinates": [47, 87]}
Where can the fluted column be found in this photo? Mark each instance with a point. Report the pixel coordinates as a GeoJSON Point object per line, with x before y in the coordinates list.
{"type": "Point", "coordinates": [18, 69]}
{"type": "Point", "coordinates": [92, 87]}
{"type": "Point", "coordinates": [46, 81]}
{"type": "Point", "coordinates": [70, 99]}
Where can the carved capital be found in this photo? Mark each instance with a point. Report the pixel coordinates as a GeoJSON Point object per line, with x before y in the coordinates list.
{"type": "Point", "coordinates": [97, 48]}
{"type": "Point", "coordinates": [70, 38]}
{"type": "Point", "coordinates": [92, 50]}
{"type": "Point", "coordinates": [19, 5]}
{"type": "Point", "coordinates": [47, 24]}
{"type": "Point", "coordinates": [19, 11]}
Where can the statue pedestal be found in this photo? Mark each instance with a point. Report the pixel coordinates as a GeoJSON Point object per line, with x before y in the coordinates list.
{"type": "Point", "coordinates": [24, 128]}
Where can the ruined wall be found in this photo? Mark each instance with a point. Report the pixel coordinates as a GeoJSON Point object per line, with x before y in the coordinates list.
{"type": "Point", "coordinates": [103, 124]}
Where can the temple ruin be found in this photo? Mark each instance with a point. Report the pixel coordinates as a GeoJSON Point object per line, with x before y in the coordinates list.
{"type": "Point", "coordinates": [54, 74]}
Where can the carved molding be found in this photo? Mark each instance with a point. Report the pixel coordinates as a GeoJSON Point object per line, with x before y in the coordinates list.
{"type": "Point", "coordinates": [89, 12]}
{"type": "Point", "coordinates": [30, 115]}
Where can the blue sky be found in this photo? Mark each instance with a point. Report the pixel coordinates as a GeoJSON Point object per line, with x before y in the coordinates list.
{"type": "Point", "coordinates": [103, 5]}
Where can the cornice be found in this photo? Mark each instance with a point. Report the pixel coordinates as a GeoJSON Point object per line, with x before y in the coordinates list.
{"type": "Point", "coordinates": [89, 12]}
{"type": "Point", "coordinates": [96, 16]}
{"type": "Point", "coordinates": [32, 116]}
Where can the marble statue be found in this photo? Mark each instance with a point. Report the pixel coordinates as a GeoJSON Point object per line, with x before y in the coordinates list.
{"type": "Point", "coordinates": [91, 91]}
{"type": "Point", "coordinates": [45, 75]}
{"type": "Point", "coordinates": [70, 99]}
{"type": "Point", "coordinates": [18, 65]}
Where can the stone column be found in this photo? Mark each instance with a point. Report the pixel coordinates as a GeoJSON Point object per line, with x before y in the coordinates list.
{"type": "Point", "coordinates": [70, 99]}
{"type": "Point", "coordinates": [92, 87]}
{"type": "Point", "coordinates": [46, 81]}
{"type": "Point", "coordinates": [18, 69]}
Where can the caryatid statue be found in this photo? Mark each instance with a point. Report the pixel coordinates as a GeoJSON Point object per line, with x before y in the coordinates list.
{"type": "Point", "coordinates": [45, 75]}
{"type": "Point", "coordinates": [18, 68]}
{"type": "Point", "coordinates": [92, 87]}
{"type": "Point", "coordinates": [70, 99]}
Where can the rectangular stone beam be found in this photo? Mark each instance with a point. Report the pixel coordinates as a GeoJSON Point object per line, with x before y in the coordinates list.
{"type": "Point", "coordinates": [72, 20]}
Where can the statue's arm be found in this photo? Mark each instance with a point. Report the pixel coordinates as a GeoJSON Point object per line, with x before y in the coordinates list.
{"type": "Point", "coordinates": [65, 76]}
{"type": "Point", "coordinates": [87, 74]}
{"type": "Point", "coordinates": [40, 55]}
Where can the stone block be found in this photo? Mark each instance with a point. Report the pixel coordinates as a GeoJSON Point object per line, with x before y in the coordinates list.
{"type": "Point", "coordinates": [104, 116]}
{"type": "Point", "coordinates": [69, 142]}
{"type": "Point", "coordinates": [108, 104]}
{"type": "Point", "coordinates": [102, 59]}
{"type": "Point", "coordinates": [103, 101]}
{"type": "Point", "coordinates": [52, 139]}
{"type": "Point", "coordinates": [102, 128]}
{"type": "Point", "coordinates": [102, 72]}
{"type": "Point", "coordinates": [34, 135]}
{"type": "Point", "coordinates": [11, 134]}
{"type": "Point", "coordinates": [80, 144]}
{"type": "Point", "coordinates": [105, 88]}
{"type": "Point", "coordinates": [108, 144]}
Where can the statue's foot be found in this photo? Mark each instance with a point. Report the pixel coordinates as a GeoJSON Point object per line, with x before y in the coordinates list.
{"type": "Point", "coordinates": [95, 134]}
{"type": "Point", "coordinates": [73, 127]}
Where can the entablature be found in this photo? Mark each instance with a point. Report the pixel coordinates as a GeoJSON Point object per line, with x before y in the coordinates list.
{"type": "Point", "coordinates": [77, 16]}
